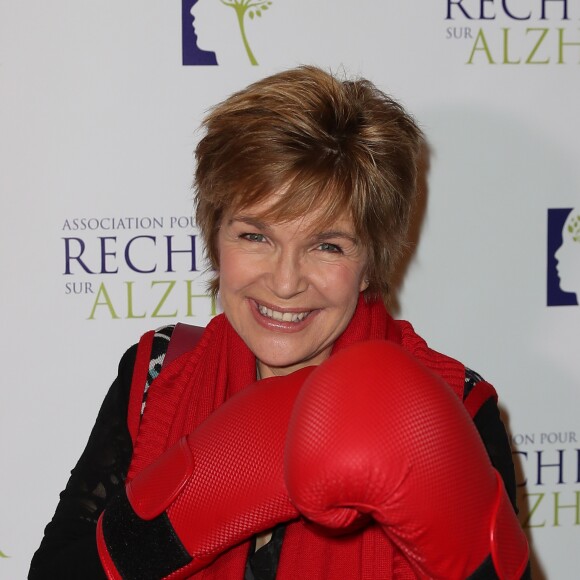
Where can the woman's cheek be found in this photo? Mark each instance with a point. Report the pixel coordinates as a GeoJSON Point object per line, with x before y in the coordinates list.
{"type": "Point", "coordinates": [340, 279]}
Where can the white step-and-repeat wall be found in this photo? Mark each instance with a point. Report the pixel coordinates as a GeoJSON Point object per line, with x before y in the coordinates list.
{"type": "Point", "coordinates": [99, 104]}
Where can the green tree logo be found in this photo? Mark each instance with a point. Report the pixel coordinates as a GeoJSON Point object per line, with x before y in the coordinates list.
{"type": "Point", "coordinates": [574, 227]}
{"type": "Point", "coordinates": [252, 9]}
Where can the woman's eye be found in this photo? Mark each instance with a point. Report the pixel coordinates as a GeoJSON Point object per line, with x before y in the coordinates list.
{"type": "Point", "coordinates": [251, 237]}
{"type": "Point", "coordinates": [327, 247]}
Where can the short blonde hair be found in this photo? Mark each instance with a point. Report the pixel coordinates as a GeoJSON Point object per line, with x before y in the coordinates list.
{"type": "Point", "coordinates": [328, 144]}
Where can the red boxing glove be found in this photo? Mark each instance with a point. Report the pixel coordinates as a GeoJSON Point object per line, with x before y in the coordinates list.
{"type": "Point", "coordinates": [213, 489]}
{"type": "Point", "coordinates": [374, 432]}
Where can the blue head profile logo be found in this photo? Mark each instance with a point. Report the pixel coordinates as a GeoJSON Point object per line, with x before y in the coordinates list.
{"type": "Point", "coordinates": [563, 274]}
{"type": "Point", "coordinates": [218, 31]}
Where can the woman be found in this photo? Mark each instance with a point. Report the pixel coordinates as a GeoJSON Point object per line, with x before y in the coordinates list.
{"type": "Point", "coordinates": [304, 185]}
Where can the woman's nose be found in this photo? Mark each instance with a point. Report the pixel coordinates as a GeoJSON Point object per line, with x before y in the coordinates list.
{"type": "Point", "coordinates": [287, 276]}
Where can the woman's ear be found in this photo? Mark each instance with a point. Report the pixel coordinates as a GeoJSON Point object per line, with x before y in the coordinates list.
{"type": "Point", "coordinates": [364, 283]}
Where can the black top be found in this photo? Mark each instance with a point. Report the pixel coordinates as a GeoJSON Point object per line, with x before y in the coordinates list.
{"type": "Point", "coordinates": [68, 549]}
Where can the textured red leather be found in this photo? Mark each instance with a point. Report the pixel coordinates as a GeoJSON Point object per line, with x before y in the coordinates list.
{"type": "Point", "coordinates": [374, 432]}
{"type": "Point", "coordinates": [224, 482]}
{"type": "Point", "coordinates": [161, 483]}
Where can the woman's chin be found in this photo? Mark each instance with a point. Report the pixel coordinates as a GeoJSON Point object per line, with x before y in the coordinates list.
{"type": "Point", "coordinates": [283, 364]}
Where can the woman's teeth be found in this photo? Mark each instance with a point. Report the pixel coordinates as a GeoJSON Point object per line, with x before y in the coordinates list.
{"type": "Point", "coordinates": [282, 316]}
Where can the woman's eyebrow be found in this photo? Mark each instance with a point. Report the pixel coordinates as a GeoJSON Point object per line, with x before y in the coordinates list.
{"type": "Point", "coordinates": [250, 221]}
{"type": "Point", "coordinates": [333, 234]}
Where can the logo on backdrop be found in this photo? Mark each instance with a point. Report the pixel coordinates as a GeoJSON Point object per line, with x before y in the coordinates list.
{"type": "Point", "coordinates": [548, 478]}
{"type": "Point", "coordinates": [563, 268]}
{"type": "Point", "coordinates": [514, 32]}
{"type": "Point", "coordinates": [134, 267]}
{"type": "Point", "coordinates": [217, 31]}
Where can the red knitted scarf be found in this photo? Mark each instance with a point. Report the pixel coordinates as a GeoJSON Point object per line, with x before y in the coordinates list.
{"type": "Point", "coordinates": [198, 382]}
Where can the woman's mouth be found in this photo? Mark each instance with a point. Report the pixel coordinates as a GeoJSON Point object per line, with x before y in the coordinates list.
{"type": "Point", "coordinates": [282, 316]}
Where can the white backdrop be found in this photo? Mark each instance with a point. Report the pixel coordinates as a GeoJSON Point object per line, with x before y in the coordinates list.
{"type": "Point", "coordinates": [97, 128]}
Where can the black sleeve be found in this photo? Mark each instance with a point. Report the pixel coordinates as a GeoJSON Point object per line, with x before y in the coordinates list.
{"type": "Point", "coordinates": [494, 436]}
{"type": "Point", "coordinates": [69, 549]}
{"type": "Point", "coordinates": [495, 439]}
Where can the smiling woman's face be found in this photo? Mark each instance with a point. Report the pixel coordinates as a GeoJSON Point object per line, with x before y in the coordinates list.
{"type": "Point", "coordinates": [289, 289]}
